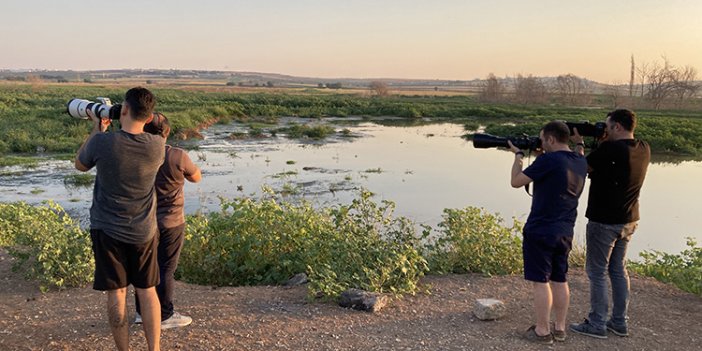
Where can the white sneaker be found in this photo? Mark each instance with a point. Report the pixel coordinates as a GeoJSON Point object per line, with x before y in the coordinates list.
{"type": "Point", "coordinates": [177, 320]}
{"type": "Point", "coordinates": [137, 319]}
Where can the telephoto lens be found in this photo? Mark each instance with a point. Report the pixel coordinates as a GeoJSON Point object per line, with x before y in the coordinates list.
{"type": "Point", "coordinates": [78, 108]}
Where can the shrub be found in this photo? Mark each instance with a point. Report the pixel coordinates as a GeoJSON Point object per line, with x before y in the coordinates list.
{"type": "Point", "coordinates": [473, 240]}
{"type": "Point", "coordinates": [684, 269]}
{"type": "Point", "coordinates": [49, 245]}
{"type": "Point", "coordinates": [267, 241]}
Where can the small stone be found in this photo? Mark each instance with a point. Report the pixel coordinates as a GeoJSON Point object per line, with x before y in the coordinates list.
{"type": "Point", "coordinates": [489, 309]}
{"type": "Point", "coordinates": [362, 300]}
{"type": "Point", "coordinates": [297, 279]}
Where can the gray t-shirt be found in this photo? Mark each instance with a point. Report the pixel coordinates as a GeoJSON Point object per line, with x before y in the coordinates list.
{"type": "Point", "coordinates": [124, 199]}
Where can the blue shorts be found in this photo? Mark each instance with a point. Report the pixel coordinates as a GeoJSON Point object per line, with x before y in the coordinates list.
{"type": "Point", "coordinates": [546, 257]}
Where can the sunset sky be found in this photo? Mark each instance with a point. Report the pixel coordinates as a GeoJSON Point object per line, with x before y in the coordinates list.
{"type": "Point", "coordinates": [360, 39]}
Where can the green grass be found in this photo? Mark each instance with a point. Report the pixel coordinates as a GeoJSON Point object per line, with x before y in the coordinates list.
{"type": "Point", "coordinates": [79, 180]}
{"type": "Point", "coordinates": [307, 131]}
{"type": "Point", "coordinates": [33, 118]}
{"type": "Point", "coordinates": [7, 161]}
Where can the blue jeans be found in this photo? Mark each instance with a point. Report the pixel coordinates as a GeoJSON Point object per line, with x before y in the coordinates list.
{"type": "Point", "coordinates": [606, 253]}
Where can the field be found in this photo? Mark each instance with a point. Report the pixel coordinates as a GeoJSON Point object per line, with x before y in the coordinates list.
{"type": "Point", "coordinates": [32, 118]}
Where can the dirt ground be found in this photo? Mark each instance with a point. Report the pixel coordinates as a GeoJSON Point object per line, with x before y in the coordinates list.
{"type": "Point", "coordinates": [282, 318]}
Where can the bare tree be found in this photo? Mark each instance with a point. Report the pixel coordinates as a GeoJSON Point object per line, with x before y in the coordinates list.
{"type": "Point", "coordinates": [530, 90]}
{"type": "Point", "coordinates": [631, 79]}
{"type": "Point", "coordinates": [642, 70]}
{"type": "Point", "coordinates": [614, 93]}
{"type": "Point", "coordinates": [663, 83]}
{"type": "Point", "coordinates": [571, 88]}
{"type": "Point", "coordinates": [379, 88]}
{"type": "Point", "coordinates": [492, 89]}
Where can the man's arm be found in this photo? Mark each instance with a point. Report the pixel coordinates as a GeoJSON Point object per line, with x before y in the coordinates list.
{"type": "Point", "coordinates": [518, 178]}
{"type": "Point", "coordinates": [195, 177]}
{"type": "Point", "coordinates": [99, 126]}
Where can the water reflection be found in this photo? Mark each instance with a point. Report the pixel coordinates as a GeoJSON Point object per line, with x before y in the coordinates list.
{"type": "Point", "coordinates": [423, 169]}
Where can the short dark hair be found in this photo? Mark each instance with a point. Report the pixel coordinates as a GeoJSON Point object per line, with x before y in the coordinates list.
{"type": "Point", "coordinates": [558, 130]}
{"type": "Point", "coordinates": [141, 103]}
{"type": "Point", "coordinates": [626, 118]}
{"type": "Point", "coordinates": [158, 126]}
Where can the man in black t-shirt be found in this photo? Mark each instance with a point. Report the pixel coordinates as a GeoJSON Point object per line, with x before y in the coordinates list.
{"type": "Point", "coordinates": [123, 226]}
{"type": "Point", "coordinates": [559, 179]}
{"type": "Point", "coordinates": [617, 168]}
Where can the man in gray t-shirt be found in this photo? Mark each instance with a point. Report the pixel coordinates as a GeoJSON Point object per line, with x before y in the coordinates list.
{"type": "Point", "coordinates": [123, 224]}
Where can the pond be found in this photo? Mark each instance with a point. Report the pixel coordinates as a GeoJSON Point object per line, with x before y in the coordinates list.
{"type": "Point", "coordinates": [423, 169]}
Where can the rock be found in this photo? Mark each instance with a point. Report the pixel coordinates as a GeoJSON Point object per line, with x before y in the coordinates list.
{"type": "Point", "coordinates": [362, 300]}
{"type": "Point", "coordinates": [489, 309]}
{"type": "Point", "coordinates": [297, 279]}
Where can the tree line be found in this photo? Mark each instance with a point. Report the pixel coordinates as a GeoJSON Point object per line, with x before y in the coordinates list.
{"type": "Point", "coordinates": [653, 85]}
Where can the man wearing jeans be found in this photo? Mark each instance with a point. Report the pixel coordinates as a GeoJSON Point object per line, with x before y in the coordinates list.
{"type": "Point", "coordinates": [617, 169]}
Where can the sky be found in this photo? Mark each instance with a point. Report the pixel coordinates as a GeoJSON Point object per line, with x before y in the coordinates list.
{"type": "Point", "coordinates": [440, 39]}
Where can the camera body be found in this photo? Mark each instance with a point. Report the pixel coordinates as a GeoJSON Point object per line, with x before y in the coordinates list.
{"type": "Point", "coordinates": [484, 141]}
{"type": "Point", "coordinates": [103, 109]}
{"type": "Point", "coordinates": [585, 129]}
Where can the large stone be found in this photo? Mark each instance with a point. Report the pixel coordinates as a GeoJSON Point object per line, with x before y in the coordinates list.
{"type": "Point", "coordinates": [297, 279]}
{"type": "Point", "coordinates": [362, 300]}
{"type": "Point", "coordinates": [489, 309]}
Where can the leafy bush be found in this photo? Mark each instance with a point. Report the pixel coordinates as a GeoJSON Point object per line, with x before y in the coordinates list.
{"type": "Point", "coordinates": [473, 240]}
{"type": "Point", "coordinates": [368, 249]}
{"type": "Point", "coordinates": [267, 241]}
{"type": "Point", "coordinates": [684, 269]}
{"type": "Point", "coordinates": [49, 245]}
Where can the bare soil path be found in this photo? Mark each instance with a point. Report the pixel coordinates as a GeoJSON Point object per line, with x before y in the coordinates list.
{"type": "Point", "coordinates": [281, 318]}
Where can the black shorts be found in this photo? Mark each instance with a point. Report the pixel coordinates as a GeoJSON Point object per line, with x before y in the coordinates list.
{"type": "Point", "coordinates": [119, 264]}
{"type": "Point", "coordinates": [546, 257]}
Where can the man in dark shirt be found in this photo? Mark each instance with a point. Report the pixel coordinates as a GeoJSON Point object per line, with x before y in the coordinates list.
{"type": "Point", "coordinates": [559, 179]}
{"type": "Point", "coordinates": [123, 225]}
{"type": "Point", "coordinates": [617, 168]}
{"type": "Point", "coordinates": [170, 180]}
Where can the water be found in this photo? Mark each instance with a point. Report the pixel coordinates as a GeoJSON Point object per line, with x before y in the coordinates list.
{"type": "Point", "coordinates": [423, 169]}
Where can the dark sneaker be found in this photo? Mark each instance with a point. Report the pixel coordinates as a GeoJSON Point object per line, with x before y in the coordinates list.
{"type": "Point", "coordinates": [559, 335]}
{"type": "Point", "coordinates": [585, 328]}
{"type": "Point", "coordinates": [617, 330]}
{"type": "Point", "coordinates": [175, 321]}
{"type": "Point", "coordinates": [531, 335]}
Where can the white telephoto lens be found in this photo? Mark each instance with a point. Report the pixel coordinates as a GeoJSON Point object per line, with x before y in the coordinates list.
{"type": "Point", "coordinates": [77, 107]}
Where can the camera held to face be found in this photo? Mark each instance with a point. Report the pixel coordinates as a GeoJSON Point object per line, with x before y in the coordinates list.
{"type": "Point", "coordinates": [103, 109]}
{"type": "Point", "coordinates": [586, 129]}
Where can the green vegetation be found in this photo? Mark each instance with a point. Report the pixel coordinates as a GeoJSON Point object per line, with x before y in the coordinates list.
{"type": "Point", "coordinates": [266, 241]}
{"type": "Point", "coordinates": [79, 180]}
{"type": "Point", "coordinates": [684, 269]}
{"type": "Point", "coordinates": [284, 174]}
{"type": "Point", "coordinates": [668, 132]}
{"type": "Point", "coordinates": [49, 246]}
{"type": "Point", "coordinates": [472, 240]}
{"type": "Point", "coordinates": [32, 117]}
{"type": "Point", "coordinates": [7, 161]}
{"type": "Point", "coordinates": [297, 131]}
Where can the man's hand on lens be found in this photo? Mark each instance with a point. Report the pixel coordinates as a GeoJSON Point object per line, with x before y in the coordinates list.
{"type": "Point", "coordinates": [100, 123]}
